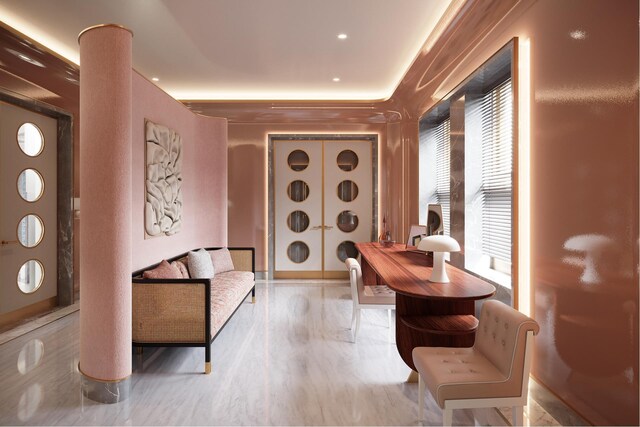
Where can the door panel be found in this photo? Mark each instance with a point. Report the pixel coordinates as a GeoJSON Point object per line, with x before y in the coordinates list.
{"type": "Point", "coordinates": [348, 201]}
{"type": "Point", "coordinates": [28, 217]}
{"type": "Point", "coordinates": [298, 208]}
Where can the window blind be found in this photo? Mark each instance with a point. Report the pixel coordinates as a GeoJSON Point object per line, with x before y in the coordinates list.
{"type": "Point", "coordinates": [443, 170]}
{"type": "Point", "coordinates": [497, 164]}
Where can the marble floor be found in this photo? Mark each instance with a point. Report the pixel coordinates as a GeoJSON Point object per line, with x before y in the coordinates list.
{"type": "Point", "coordinates": [289, 359]}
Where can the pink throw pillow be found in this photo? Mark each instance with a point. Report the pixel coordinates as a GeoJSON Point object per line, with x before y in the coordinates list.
{"type": "Point", "coordinates": [163, 271]}
{"type": "Point", "coordinates": [180, 265]}
{"type": "Point", "coordinates": [222, 261]}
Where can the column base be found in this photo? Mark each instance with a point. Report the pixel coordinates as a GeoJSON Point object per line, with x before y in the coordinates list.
{"type": "Point", "coordinates": [105, 391]}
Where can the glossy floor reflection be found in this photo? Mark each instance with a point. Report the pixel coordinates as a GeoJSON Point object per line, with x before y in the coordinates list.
{"type": "Point", "coordinates": [287, 360]}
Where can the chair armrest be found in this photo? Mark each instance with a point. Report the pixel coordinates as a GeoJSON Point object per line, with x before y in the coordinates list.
{"type": "Point", "coordinates": [171, 310]}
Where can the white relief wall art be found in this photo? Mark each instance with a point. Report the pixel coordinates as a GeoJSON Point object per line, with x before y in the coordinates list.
{"type": "Point", "coordinates": [163, 181]}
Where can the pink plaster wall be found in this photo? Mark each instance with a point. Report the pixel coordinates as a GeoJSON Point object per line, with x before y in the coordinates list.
{"type": "Point", "coordinates": [204, 173]}
{"type": "Point", "coordinates": [105, 230]}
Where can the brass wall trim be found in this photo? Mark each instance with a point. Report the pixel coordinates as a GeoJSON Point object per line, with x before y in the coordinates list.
{"type": "Point", "coordinates": [102, 26]}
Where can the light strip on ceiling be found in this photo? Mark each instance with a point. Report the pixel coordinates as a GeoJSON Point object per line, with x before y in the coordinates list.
{"type": "Point", "coordinates": [442, 24]}
{"type": "Point", "coordinates": [37, 35]}
{"type": "Point", "coordinates": [303, 107]}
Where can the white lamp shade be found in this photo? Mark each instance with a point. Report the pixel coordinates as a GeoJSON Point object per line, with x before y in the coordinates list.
{"type": "Point", "coordinates": [439, 244]}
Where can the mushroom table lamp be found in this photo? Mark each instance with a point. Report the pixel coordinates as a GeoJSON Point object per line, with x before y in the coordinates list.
{"type": "Point", "coordinates": [439, 245]}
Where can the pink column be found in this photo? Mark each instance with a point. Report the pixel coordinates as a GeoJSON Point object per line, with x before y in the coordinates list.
{"type": "Point", "coordinates": [105, 222]}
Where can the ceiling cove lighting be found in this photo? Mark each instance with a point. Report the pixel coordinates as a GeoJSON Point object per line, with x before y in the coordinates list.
{"type": "Point", "coordinates": [22, 25]}
{"type": "Point", "coordinates": [342, 36]}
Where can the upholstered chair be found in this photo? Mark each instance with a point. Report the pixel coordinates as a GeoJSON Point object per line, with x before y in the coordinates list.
{"type": "Point", "coordinates": [378, 297]}
{"type": "Point", "coordinates": [492, 373]}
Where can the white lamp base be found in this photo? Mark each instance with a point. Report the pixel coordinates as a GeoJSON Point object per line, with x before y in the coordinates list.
{"type": "Point", "coordinates": [439, 274]}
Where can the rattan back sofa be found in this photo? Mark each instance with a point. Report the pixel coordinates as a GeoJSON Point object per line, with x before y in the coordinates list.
{"type": "Point", "coordinates": [190, 312]}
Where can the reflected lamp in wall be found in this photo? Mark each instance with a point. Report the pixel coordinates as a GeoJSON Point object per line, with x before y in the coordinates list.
{"type": "Point", "coordinates": [439, 245]}
{"type": "Point", "coordinates": [435, 225]}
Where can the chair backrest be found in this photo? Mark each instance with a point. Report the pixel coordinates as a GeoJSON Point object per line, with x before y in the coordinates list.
{"type": "Point", "coordinates": [502, 338]}
{"type": "Point", "coordinates": [355, 277]}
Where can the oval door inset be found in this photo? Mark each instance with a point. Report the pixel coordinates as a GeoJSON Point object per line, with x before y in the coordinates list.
{"type": "Point", "coordinates": [30, 276]}
{"type": "Point", "coordinates": [30, 139]}
{"type": "Point", "coordinates": [30, 231]}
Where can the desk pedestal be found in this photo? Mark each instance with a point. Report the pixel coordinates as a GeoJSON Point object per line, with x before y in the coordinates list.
{"type": "Point", "coordinates": [423, 321]}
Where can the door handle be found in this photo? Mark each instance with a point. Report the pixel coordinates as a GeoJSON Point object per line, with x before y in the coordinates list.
{"type": "Point", "coordinates": [8, 242]}
{"type": "Point", "coordinates": [317, 227]}
{"type": "Point", "coordinates": [327, 227]}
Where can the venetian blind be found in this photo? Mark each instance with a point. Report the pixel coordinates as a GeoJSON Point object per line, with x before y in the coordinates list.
{"type": "Point", "coordinates": [497, 161]}
{"type": "Point", "coordinates": [443, 170]}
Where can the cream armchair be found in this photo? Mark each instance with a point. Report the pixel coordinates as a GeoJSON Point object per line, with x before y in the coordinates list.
{"type": "Point", "coordinates": [494, 372]}
{"type": "Point", "coordinates": [364, 297]}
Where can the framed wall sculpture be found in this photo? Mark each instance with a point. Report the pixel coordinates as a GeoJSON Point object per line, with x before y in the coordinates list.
{"type": "Point", "coordinates": [163, 181]}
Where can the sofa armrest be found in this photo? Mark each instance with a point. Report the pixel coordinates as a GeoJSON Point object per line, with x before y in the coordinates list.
{"type": "Point", "coordinates": [244, 259]}
{"type": "Point", "coordinates": [171, 310]}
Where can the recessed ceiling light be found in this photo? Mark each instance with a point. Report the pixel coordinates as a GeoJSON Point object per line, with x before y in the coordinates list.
{"type": "Point", "coordinates": [342, 36]}
{"type": "Point", "coordinates": [155, 79]}
{"type": "Point", "coordinates": [578, 34]}
{"type": "Point", "coordinates": [336, 79]}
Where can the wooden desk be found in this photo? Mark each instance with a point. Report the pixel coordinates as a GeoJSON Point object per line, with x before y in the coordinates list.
{"type": "Point", "coordinates": [427, 314]}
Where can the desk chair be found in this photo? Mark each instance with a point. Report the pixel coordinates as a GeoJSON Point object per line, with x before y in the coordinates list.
{"type": "Point", "coordinates": [494, 372]}
{"type": "Point", "coordinates": [364, 297]}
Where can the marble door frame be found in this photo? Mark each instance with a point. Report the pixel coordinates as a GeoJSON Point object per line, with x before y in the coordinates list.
{"type": "Point", "coordinates": [373, 138]}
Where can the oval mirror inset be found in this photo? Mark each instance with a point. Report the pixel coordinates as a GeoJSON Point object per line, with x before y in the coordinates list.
{"type": "Point", "coordinates": [30, 139]}
{"type": "Point", "coordinates": [30, 185]}
{"type": "Point", "coordinates": [347, 160]}
{"type": "Point", "coordinates": [347, 221]}
{"type": "Point", "coordinates": [346, 249]}
{"type": "Point", "coordinates": [298, 252]}
{"type": "Point", "coordinates": [298, 191]}
{"type": "Point", "coordinates": [347, 191]}
{"type": "Point", "coordinates": [298, 160]}
{"type": "Point", "coordinates": [30, 231]}
{"type": "Point", "coordinates": [30, 276]}
{"type": "Point", "coordinates": [298, 221]}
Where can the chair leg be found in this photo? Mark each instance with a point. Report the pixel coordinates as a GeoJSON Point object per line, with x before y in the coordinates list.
{"type": "Point", "coordinates": [517, 415]}
{"type": "Point", "coordinates": [420, 398]}
{"type": "Point", "coordinates": [447, 417]}
{"type": "Point", "coordinates": [358, 314]}
{"type": "Point", "coordinates": [353, 316]}
{"type": "Point", "coordinates": [389, 318]}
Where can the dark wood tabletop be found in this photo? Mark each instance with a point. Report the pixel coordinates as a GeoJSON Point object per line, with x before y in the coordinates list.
{"type": "Point", "coordinates": [408, 273]}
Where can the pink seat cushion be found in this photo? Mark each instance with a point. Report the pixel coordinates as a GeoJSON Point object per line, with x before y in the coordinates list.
{"type": "Point", "coordinates": [163, 271]}
{"type": "Point", "coordinates": [228, 290]}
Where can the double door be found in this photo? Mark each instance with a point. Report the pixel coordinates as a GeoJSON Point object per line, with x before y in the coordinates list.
{"type": "Point", "coordinates": [323, 205]}
{"type": "Point", "coordinates": [28, 213]}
